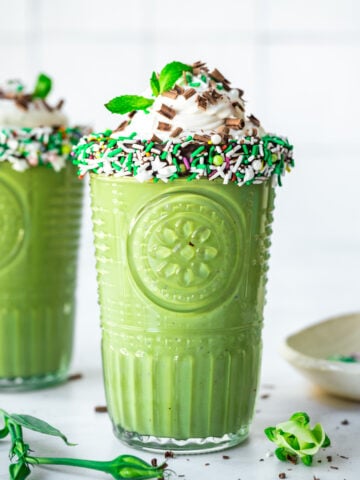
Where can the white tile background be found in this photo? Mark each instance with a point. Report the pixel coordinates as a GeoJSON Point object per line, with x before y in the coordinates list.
{"type": "Point", "coordinates": [299, 64]}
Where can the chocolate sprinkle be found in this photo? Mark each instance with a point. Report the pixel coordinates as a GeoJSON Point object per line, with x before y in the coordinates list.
{"type": "Point", "coordinates": [100, 409]}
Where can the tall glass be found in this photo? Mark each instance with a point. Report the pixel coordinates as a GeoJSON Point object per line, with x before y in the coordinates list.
{"type": "Point", "coordinates": [181, 273]}
{"type": "Point", "coordinates": [40, 212]}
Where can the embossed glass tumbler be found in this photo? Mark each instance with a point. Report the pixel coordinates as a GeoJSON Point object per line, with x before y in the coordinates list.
{"type": "Point", "coordinates": [182, 273]}
{"type": "Point", "coordinates": [40, 212]}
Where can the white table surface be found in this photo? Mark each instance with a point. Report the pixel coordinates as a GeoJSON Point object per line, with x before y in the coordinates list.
{"type": "Point", "coordinates": [312, 276]}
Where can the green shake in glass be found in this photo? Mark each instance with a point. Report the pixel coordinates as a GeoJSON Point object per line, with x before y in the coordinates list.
{"type": "Point", "coordinates": [182, 200]}
{"type": "Point", "coordinates": [40, 210]}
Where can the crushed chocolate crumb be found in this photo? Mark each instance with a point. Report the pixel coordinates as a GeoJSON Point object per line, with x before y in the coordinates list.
{"type": "Point", "coordinates": [164, 127]}
{"type": "Point", "coordinates": [167, 111]}
{"type": "Point", "coordinates": [345, 422]}
{"type": "Point", "coordinates": [333, 467]}
{"type": "Point", "coordinates": [226, 457]}
{"type": "Point", "coordinates": [176, 132]}
{"type": "Point", "coordinates": [261, 460]}
{"type": "Point", "coordinates": [265, 395]}
{"type": "Point", "coordinates": [189, 93]}
{"type": "Point", "coordinates": [100, 409]}
{"type": "Point", "coordinates": [316, 478]}
{"type": "Point", "coordinates": [75, 376]}
{"type": "Point", "coordinates": [169, 454]}
{"type": "Point", "coordinates": [206, 464]}
{"type": "Point", "coordinates": [154, 462]}
{"type": "Point", "coordinates": [292, 459]}
{"type": "Point", "coordinates": [254, 120]}
{"type": "Point", "coordinates": [282, 475]}
{"type": "Point", "coordinates": [343, 456]}
{"type": "Point", "coordinates": [173, 94]}
{"type": "Point", "coordinates": [132, 114]}
{"type": "Point", "coordinates": [329, 458]}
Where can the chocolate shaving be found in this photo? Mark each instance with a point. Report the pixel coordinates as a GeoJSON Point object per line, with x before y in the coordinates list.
{"type": "Point", "coordinates": [155, 139]}
{"type": "Point", "coordinates": [241, 92]}
{"type": "Point", "coordinates": [46, 105]}
{"type": "Point", "coordinates": [21, 103]}
{"type": "Point", "coordinates": [209, 97]}
{"type": "Point", "coordinates": [122, 126]}
{"type": "Point", "coordinates": [60, 104]}
{"type": "Point", "coordinates": [167, 111]}
{"type": "Point", "coordinates": [189, 93]}
{"type": "Point", "coordinates": [164, 127]}
{"type": "Point", "coordinates": [201, 138]}
{"type": "Point", "coordinates": [217, 76]}
{"type": "Point", "coordinates": [254, 120]}
{"type": "Point", "coordinates": [235, 123]}
{"type": "Point", "coordinates": [100, 409]}
{"type": "Point", "coordinates": [222, 130]}
{"type": "Point", "coordinates": [132, 114]}
{"type": "Point", "coordinates": [173, 94]}
{"type": "Point", "coordinates": [238, 105]}
{"type": "Point", "coordinates": [75, 376]}
{"type": "Point", "coordinates": [180, 90]}
{"type": "Point", "coordinates": [176, 132]}
{"type": "Point", "coordinates": [202, 102]}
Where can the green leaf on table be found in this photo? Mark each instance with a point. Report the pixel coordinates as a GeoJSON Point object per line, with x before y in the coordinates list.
{"type": "Point", "coordinates": [42, 87]}
{"type": "Point", "coordinates": [171, 73]}
{"type": "Point", "coordinates": [154, 84]}
{"type": "Point", "coordinates": [19, 471]}
{"type": "Point", "coordinates": [128, 103]}
{"type": "Point", "coordinates": [37, 425]}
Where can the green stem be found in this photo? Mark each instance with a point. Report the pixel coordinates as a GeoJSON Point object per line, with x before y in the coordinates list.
{"type": "Point", "coordinates": [71, 462]}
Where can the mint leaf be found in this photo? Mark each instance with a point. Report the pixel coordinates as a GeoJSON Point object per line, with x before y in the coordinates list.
{"type": "Point", "coordinates": [42, 87]}
{"type": "Point", "coordinates": [326, 442]}
{"type": "Point", "coordinates": [307, 460]}
{"type": "Point", "coordinates": [281, 454]}
{"type": "Point", "coordinates": [33, 423]}
{"type": "Point", "coordinates": [171, 73]}
{"type": "Point", "coordinates": [128, 103]}
{"type": "Point", "coordinates": [270, 432]}
{"type": "Point", "coordinates": [301, 417]}
{"type": "Point", "coordinates": [154, 84]}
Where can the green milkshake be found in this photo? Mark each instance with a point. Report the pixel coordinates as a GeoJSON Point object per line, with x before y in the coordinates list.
{"type": "Point", "coordinates": [40, 210]}
{"type": "Point", "coordinates": [182, 258]}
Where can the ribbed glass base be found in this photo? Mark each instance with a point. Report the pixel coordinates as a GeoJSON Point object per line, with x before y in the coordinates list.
{"type": "Point", "coordinates": [188, 446]}
{"type": "Point", "coordinates": [31, 383]}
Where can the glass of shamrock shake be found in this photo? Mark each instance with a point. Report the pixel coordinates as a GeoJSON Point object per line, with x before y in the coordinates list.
{"type": "Point", "coordinates": [182, 199]}
{"type": "Point", "coordinates": [40, 209]}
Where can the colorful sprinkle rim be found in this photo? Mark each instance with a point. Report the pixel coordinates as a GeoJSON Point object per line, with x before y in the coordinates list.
{"type": "Point", "coordinates": [41, 146]}
{"type": "Point", "coordinates": [244, 161]}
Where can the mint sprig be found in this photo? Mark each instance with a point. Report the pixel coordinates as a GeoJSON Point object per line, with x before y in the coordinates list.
{"type": "Point", "coordinates": [128, 103]}
{"type": "Point", "coordinates": [43, 86]}
{"type": "Point", "coordinates": [122, 467]}
{"type": "Point", "coordinates": [296, 439]}
{"type": "Point", "coordinates": [154, 84]}
{"type": "Point", "coordinates": [170, 74]}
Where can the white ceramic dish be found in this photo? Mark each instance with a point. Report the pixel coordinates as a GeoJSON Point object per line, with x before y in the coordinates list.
{"type": "Point", "coordinates": [308, 350]}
